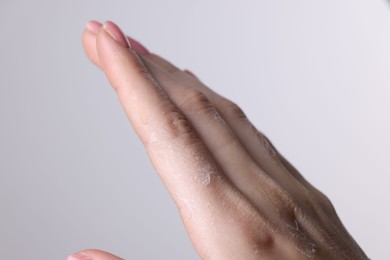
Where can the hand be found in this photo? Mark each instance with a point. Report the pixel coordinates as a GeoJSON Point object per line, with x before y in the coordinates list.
{"type": "Point", "coordinates": [237, 196]}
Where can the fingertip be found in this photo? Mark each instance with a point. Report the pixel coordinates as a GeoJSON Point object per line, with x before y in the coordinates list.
{"type": "Point", "coordinates": [116, 33]}
{"type": "Point", "coordinates": [121, 64]}
{"type": "Point", "coordinates": [93, 254]}
{"type": "Point", "coordinates": [79, 256]}
{"type": "Point", "coordinates": [93, 26]}
{"type": "Point", "coordinates": [91, 32]}
{"type": "Point", "coordinates": [89, 46]}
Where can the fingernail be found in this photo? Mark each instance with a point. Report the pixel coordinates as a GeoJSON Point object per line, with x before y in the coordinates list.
{"type": "Point", "coordinates": [79, 256]}
{"type": "Point", "coordinates": [93, 26]}
{"type": "Point", "coordinates": [116, 33]}
{"type": "Point", "coordinates": [138, 47]}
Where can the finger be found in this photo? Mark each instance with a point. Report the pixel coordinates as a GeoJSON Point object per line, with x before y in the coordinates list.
{"type": "Point", "coordinates": [154, 117]}
{"type": "Point", "coordinates": [238, 137]}
{"type": "Point", "coordinates": [268, 197]}
{"type": "Point", "coordinates": [258, 146]}
{"type": "Point", "coordinates": [89, 41]}
{"type": "Point", "coordinates": [277, 167]}
{"type": "Point", "coordinates": [89, 44]}
{"type": "Point", "coordinates": [222, 142]}
{"type": "Point", "coordinates": [276, 197]}
{"type": "Point", "coordinates": [189, 171]}
{"type": "Point", "coordinates": [270, 185]}
{"type": "Point", "coordinates": [195, 102]}
{"type": "Point", "coordinates": [93, 254]}
{"type": "Point", "coordinates": [275, 202]}
{"type": "Point", "coordinates": [255, 142]}
{"type": "Point", "coordinates": [261, 150]}
{"type": "Point", "coordinates": [164, 64]}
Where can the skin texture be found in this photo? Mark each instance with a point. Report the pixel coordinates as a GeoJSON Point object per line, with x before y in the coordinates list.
{"type": "Point", "coordinates": [237, 196]}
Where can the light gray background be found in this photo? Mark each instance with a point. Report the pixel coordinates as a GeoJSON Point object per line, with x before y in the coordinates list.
{"type": "Point", "coordinates": [313, 75]}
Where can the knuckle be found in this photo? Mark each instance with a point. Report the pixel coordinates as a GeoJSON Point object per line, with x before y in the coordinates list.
{"type": "Point", "coordinates": [232, 109]}
{"type": "Point", "coordinates": [177, 127]}
{"type": "Point", "coordinates": [195, 102]}
{"type": "Point", "coordinates": [324, 201]}
{"type": "Point", "coordinates": [267, 145]}
{"type": "Point", "coordinates": [281, 200]}
{"type": "Point", "coordinates": [252, 223]}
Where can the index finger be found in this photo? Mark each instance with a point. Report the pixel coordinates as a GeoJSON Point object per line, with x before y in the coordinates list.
{"type": "Point", "coordinates": [189, 171]}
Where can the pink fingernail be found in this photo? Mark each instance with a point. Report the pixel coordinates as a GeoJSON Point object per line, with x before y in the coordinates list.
{"type": "Point", "coordinates": [116, 33]}
{"type": "Point", "coordinates": [93, 26]}
{"type": "Point", "coordinates": [79, 256]}
{"type": "Point", "coordinates": [138, 47]}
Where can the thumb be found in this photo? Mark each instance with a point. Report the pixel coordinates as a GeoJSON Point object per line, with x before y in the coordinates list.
{"type": "Point", "coordinates": [93, 254]}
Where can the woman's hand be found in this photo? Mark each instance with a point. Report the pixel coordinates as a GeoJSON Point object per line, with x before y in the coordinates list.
{"type": "Point", "coordinates": [237, 196]}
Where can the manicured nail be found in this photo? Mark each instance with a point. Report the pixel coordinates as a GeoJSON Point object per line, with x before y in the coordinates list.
{"type": "Point", "coordinates": [138, 47]}
{"type": "Point", "coordinates": [116, 33]}
{"type": "Point", "coordinates": [79, 256]}
{"type": "Point", "coordinates": [93, 26]}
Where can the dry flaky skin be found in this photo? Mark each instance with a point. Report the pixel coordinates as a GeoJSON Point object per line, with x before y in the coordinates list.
{"type": "Point", "coordinates": [237, 196]}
